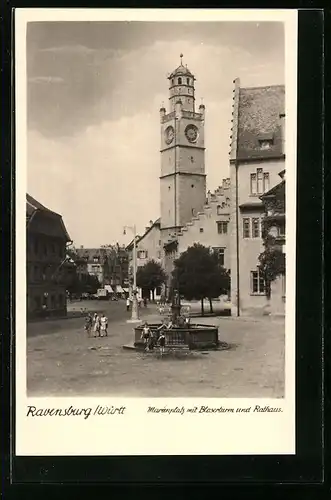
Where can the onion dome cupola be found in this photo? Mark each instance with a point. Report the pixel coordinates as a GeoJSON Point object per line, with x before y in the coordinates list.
{"type": "Point", "coordinates": [181, 86]}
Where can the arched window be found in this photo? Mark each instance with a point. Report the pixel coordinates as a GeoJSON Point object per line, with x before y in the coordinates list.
{"type": "Point", "coordinates": [173, 81]}
{"type": "Point", "coordinates": [218, 209]}
{"type": "Point", "coordinates": [179, 81]}
{"type": "Point", "coordinates": [188, 81]}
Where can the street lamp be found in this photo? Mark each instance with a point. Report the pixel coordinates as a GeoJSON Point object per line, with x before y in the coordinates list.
{"type": "Point", "coordinates": [135, 309]}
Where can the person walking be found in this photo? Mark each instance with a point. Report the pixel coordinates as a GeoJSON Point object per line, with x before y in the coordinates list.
{"type": "Point", "coordinates": [88, 324]}
{"type": "Point", "coordinates": [162, 340]}
{"type": "Point", "coordinates": [96, 327]}
{"type": "Point", "coordinates": [103, 326]}
{"type": "Point", "coordinates": [146, 335]}
{"type": "Point", "coordinates": [128, 304]}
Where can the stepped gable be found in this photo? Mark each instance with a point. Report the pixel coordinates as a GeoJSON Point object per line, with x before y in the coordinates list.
{"type": "Point", "coordinates": [256, 117]}
{"type": "Point", "coordinates": [217, 202]}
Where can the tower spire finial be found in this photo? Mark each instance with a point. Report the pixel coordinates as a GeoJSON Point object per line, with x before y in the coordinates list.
{"type": "Point", "coordinates": [181, 58]}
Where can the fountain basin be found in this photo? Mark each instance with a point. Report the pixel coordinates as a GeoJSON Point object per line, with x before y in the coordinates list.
{"type": "Point", "coordinates": [194, 336]}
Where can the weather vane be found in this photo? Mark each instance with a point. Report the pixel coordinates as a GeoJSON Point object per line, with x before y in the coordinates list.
{"type": "Point", "coordinates": [181, 59]}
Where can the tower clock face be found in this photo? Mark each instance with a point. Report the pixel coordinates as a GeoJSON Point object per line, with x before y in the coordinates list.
{"type": "Point", "coordinates": [169, 135]}
{"type": "Point", "coordinates": [191, 133]}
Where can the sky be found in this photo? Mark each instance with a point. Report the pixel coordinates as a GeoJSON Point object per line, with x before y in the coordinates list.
{"type": "Point", "coordinates": [94, 90]}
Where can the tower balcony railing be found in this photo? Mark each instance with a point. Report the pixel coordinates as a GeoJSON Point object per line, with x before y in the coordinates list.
{"type": "Point", "coordinates": [191, 114]}
{"type": "Point", "coordinates": [169, 116]}
{"type": "Point", "coordinates": [184, 113]}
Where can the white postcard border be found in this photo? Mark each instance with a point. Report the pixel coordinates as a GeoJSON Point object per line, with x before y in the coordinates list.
{"type": "Point", "coordinates": [125, 434]}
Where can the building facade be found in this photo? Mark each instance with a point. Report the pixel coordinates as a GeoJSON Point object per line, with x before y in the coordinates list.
{"type": "Point", "coordinates": [210, 227]}
{"type": "Point", "coordinates": [257, 156]}
{"type": "Point", "coordinates": [47, 238]}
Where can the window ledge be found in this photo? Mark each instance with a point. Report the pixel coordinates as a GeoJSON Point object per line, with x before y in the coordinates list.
{"type": "Point", "coordinates": [252, 294]}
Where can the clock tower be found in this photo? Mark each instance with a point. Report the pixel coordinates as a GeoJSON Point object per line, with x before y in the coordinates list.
{"type": "Point", "coordinates": [183, 178]}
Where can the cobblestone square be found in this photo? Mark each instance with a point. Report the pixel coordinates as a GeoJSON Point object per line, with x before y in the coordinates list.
{"type": "Point", "coordinates": [62, 361]}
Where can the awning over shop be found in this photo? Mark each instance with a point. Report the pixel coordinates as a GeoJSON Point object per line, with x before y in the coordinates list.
{"type": "Point", "coordinates": [119, 289]}
{"type": "Point", "coordinates": [109, 289]}
{"type": "Point", "coordinates": [126, 290]}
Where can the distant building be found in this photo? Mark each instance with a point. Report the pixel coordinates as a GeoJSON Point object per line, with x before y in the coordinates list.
{"type": "Point", "coordinates": [256, 158]}
{"type": "Point", "coordinates": [109, 264]}
{"type": "Point", "coordinates": [148, 247]}
{"type": "Point", "coordinates": [95, 261]}
{"type": "Point", "coordinates": [47, 238]}
{"type": "Point", "coordinates": [118, 277]}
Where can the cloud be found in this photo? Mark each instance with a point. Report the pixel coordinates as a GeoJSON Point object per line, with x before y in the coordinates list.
{"type": "Point", "coordinates": [46, 79]}
{"type": "Point", "coordinates": [69, 50]}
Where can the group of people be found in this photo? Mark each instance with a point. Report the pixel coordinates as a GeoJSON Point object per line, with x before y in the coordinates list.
{"type": "Point", "coordinates": [98, 324]}
{"type": "Point", "coordinates": [140, 302]}
{"type": "Point", "coordinates": [152, 339]}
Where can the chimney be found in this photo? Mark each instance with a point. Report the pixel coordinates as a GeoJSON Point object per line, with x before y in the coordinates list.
{"type": "Point", "coordinates": [82, 246]}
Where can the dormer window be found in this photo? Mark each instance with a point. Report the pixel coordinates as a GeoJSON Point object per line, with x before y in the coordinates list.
{"type": "Point", "coordinates": [265, 144]}
{"type": "Point", "coordinates": [266, 141]}
{"type": "Point", "coordinates": [179, 81]}
{"type": "Point", "coordinates": [96, 259]}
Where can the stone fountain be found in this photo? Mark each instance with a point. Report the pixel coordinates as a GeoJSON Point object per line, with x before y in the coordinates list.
{"type": "Point", "coordinates": [192, 336]}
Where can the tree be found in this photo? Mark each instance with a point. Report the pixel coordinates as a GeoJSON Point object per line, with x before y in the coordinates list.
{"type": "Point", "coordinates": [272, 260]}
{"type": "Point", "coordinates": [86, 283]}
{"type": "Point", "coordinates": [151, 276]}
{"type": "Point", "coordinates": [198, 275]}
{"type": "Point", "coordinates": [271, 265]}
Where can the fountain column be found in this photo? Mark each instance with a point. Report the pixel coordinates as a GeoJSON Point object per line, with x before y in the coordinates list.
{"type": "Point", "coordinates": [175, 307]}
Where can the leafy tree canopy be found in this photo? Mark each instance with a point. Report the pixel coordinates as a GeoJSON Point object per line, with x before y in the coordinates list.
{"type": "Point", "coordinates": [151, 275]}
{"type": "Point", "coordinates": [199, 275]}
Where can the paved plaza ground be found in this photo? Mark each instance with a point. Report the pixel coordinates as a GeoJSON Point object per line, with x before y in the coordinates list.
{"type": "Point", "coordinates": [62, 361]}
